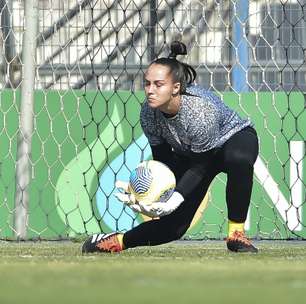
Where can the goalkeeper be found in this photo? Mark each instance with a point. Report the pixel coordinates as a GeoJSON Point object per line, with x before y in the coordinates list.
{"type": "Point", "coordinates": [193, 132]}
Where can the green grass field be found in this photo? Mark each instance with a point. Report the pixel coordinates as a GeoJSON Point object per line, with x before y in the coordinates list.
{"type": "Point", "coordinates": [186, 272]}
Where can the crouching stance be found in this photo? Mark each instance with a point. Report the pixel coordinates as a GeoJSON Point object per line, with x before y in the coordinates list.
{"type": "Point", "coordinates": [193, 132]}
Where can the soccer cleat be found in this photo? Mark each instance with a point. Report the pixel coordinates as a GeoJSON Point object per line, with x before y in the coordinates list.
{"type": "Point", "coordinates": [102, 243]}
{"type": "Point", "coordinates": [238, 242]}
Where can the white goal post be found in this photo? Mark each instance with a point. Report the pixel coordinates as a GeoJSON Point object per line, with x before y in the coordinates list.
{"type": "Point", "coordinates": [71, 80]}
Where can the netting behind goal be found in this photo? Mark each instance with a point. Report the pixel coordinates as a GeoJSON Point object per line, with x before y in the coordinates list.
{"type": "Point", "coordinates": [71, 82]}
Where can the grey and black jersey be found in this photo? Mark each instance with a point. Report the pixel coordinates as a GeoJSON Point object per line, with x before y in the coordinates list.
{"type": "Point", "coordinates": [202, 123]}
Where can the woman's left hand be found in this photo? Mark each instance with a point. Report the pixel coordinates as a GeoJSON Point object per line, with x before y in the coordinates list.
{"type": "Point", "coordinates": [159, 209]}
{"type": "Point", "coordinates": [156, 209]}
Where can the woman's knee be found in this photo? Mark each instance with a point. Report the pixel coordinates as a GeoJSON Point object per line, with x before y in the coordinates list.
{"type": "Point", "coordinates": [240, 159]}
{"type": "Point", "coordinates": [179, 232]}
{"type": "Point", "coordinates": [242, 149]}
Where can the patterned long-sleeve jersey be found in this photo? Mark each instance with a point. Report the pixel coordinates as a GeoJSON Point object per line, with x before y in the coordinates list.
{"type": "Point", "coordinates": [202, 123]}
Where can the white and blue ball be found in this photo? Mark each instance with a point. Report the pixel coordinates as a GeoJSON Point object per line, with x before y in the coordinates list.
{"type": "Point", "coordinates": [152, 181]}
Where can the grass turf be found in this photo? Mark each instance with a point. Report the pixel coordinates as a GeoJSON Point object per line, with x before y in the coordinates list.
{"type": "Point", "coordinates": [201, 272]}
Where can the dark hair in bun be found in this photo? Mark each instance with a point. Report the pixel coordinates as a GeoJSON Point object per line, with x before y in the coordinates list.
{"type": "Point", "coordinates": [181, 72]}
{"type": "Point", "coordinates": [177, 48]}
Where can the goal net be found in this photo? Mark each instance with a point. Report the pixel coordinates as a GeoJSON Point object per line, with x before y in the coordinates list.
{"type": "Point", "coordinates": [71, 80]}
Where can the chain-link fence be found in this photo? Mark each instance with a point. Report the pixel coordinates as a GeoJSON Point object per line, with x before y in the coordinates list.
{"type": "Point", "coordinates": [82, 63]}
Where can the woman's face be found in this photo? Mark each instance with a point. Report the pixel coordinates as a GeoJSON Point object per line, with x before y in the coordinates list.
{"type": "Point", "coordinates": [159, 86]}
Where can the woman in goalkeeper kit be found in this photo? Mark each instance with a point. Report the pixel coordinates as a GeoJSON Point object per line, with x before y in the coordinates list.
{"type": "Point", "coordinates": [193, 132]}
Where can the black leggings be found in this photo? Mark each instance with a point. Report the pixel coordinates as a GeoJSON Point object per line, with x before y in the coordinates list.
{"type": "Point", "coordinates": [236, 158]}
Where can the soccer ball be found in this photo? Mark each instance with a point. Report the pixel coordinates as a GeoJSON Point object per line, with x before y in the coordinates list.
{"type": "Point", "coordinates": [152, 181]}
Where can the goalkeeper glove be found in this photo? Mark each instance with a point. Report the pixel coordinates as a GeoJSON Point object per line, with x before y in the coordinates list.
{"type": "Point", "coordinates": [159, 209]}
{"type": "Point", "coordinates": [126, 197]}
{"type": "Point", "coordinates": [156, 209]}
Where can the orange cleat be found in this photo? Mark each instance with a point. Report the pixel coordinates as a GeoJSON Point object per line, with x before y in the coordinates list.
{"type": "Point", "coordinates": [103, 243]}
{"type": "Point", "coordinates": [238, 242]}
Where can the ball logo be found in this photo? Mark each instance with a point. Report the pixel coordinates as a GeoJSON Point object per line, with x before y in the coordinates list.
{"type": "Point", "coordinates": [141, 179]}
